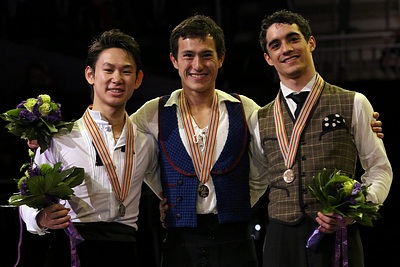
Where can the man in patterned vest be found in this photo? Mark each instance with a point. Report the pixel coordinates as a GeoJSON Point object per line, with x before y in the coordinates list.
{"type": "Point", "coordinates": [331, 130]}
{"type": "Point", "coordinates": [203, 139]}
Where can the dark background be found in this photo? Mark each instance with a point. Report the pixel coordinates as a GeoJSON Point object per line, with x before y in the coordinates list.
{"type": "Point", "coordinates": [50, 38]}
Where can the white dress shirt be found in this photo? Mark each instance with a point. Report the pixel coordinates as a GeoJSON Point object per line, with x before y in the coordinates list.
{"type": "Point", "coordinates": [94, 199]}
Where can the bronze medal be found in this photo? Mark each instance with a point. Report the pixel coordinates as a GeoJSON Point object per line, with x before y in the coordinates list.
{"type": "Point", "coordinates": [203, 191]}
{"type": "Point", "coordinates": [289, 176]}
{"type": "Point", "coordinates": [121, 210]}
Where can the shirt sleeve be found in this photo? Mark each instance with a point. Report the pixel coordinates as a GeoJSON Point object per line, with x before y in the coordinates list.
{"type": "Point", "coordinates": [146, 117]}
{"type": "Point", "coordinates": [152, 175]}
{"type": "Point", "coordinates": [258, 182]}
{"type": "Point", "coordinates": [371, 150]}
{"type": "Point", "coordinates": [28, 215]}
{"type": "Point", "coordinates": [258, 169]}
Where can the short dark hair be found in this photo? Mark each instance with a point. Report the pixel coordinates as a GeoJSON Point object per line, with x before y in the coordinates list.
{"type": "Point", "coordinates": [198, 26]}
{"type": "Point", "coordinates": [285, 17]}
{"type": "Point", "coordinates": [114, 38]}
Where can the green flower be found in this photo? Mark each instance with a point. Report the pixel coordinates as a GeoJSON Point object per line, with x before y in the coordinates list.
{"type": "Point", "coordinates": [30, 104]}
{"type": "Point", "coordinates": [45, 109]}
{"type": "Point", "coordinates": [45, 98]}
{"type": "Point", "coordinates": [348, 187]}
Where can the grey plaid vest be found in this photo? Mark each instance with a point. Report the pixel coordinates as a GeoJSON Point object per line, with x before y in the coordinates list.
{"type": "Point", "coordinates": [324, 143]}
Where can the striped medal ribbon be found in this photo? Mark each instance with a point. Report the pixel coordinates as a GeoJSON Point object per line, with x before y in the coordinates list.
{"type": "Point", "coordinates": [120, 191]}
{"type": "Point", "coordinates": [202, 162]}
{"type": "Point", "coordinates": [289, 149]}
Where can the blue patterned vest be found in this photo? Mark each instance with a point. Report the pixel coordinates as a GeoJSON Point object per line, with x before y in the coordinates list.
{"type": "Point", "coordinates": [230, 172]}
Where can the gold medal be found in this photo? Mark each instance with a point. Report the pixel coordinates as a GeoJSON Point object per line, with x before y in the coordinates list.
{"type": "Point", "coordinates": [289, 176]}
{"type": "Point", "coordinates": [203, 191]}
{"type": "Point", "coordinates": [121, 210]}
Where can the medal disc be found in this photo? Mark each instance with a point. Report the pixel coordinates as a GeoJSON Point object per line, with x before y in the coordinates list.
{"type": "Point", "coordinates": [288, 176]}
{"type": "Point", "coordinates": [203, 191]}
{"type": "Point", "coordinates": [121, 210]}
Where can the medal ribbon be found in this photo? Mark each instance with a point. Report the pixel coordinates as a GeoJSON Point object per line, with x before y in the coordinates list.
{"type": "Point", "coordinates": [120, 192]}
{"type": "Point", "coordinates": [289, 148]}
{"type": "Point", "coordinates": [202, 164]}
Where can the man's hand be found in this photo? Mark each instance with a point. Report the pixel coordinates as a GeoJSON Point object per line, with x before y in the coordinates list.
{"type": "Point", "coordinates": [53, 217]}
{"type": "Point", "coordinates": [163, 206]}
{"type": "Point", "coordinates": [329, 223]}
{"type": "Point", "coordinates": [33, 144]}
{"type": "Point", "coordinates": [377, 125]}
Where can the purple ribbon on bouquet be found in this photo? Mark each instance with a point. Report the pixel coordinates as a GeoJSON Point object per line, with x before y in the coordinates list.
{"type": "Point", "coordinates": [75, 238]}
{"type": "Point", "coordinates": [341, 249]}
{"type": "Point", "coordinates": [314, 239]}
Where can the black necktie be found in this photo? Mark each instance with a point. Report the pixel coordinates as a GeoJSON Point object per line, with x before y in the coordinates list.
{"type": "Point", "coordinates": [299, 98]}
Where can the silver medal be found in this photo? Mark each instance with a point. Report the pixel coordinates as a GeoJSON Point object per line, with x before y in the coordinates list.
{"type": "Point", "coordinates": [121, 210]}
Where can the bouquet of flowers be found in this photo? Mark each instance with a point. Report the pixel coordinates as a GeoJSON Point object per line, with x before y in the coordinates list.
{"type": "Point", "coordinates": [41, 186]}
{"type": "Point", "coordinates": [345, 196]}
{"type": "Point", "coordinates": [36, 119]}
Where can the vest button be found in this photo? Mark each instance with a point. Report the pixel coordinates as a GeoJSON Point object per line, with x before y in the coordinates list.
{"type": "Point", "coordinates": [179, 198]}
{"type": "Point", "coordinates": [180, 182]}
{"type": "Point", "coordinates": [178, 216]}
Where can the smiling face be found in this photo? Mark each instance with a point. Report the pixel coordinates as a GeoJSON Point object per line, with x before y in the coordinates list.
{"type": "Point", "coordinates": [289, 52]}
{"type": "Point", "coordinates": [197, 64]}
{"type": "Point", "coordinates": [114, 80]}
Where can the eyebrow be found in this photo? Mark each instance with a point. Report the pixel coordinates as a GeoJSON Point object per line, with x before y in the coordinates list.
{"type": "Point", "coordinates": [289, 35]}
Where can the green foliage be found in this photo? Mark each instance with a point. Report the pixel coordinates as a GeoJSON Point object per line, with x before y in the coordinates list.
{"type": "Point", "coordinates": [345, 196]}
{"type": "Point", "coordinates": [45, 188]}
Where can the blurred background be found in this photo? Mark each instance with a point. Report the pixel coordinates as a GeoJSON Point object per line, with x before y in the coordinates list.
{"type": "Point", "coordinates": [43, 46]}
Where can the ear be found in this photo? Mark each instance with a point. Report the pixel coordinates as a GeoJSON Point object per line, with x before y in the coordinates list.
{"type": "Point", "coordinates": [89, 75]}
{"type": "Point", "coordinates": [268, 59]}
{"type": "Point", "coordinates": [312, 43]}
{"type": "Point", "coordinates": [221, 60]}
{"type": "Point", "coordinates": [173, 60]}
{"type": "Point", "coordinates": [139, 79]}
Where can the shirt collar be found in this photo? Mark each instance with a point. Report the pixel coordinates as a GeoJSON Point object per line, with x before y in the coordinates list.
{"type": "Point", "coordinates": [96, 115]}
{"type": "Point", "coordinates": [222, 96]}
{"type": "Point", "coordinates": [287, 91]}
